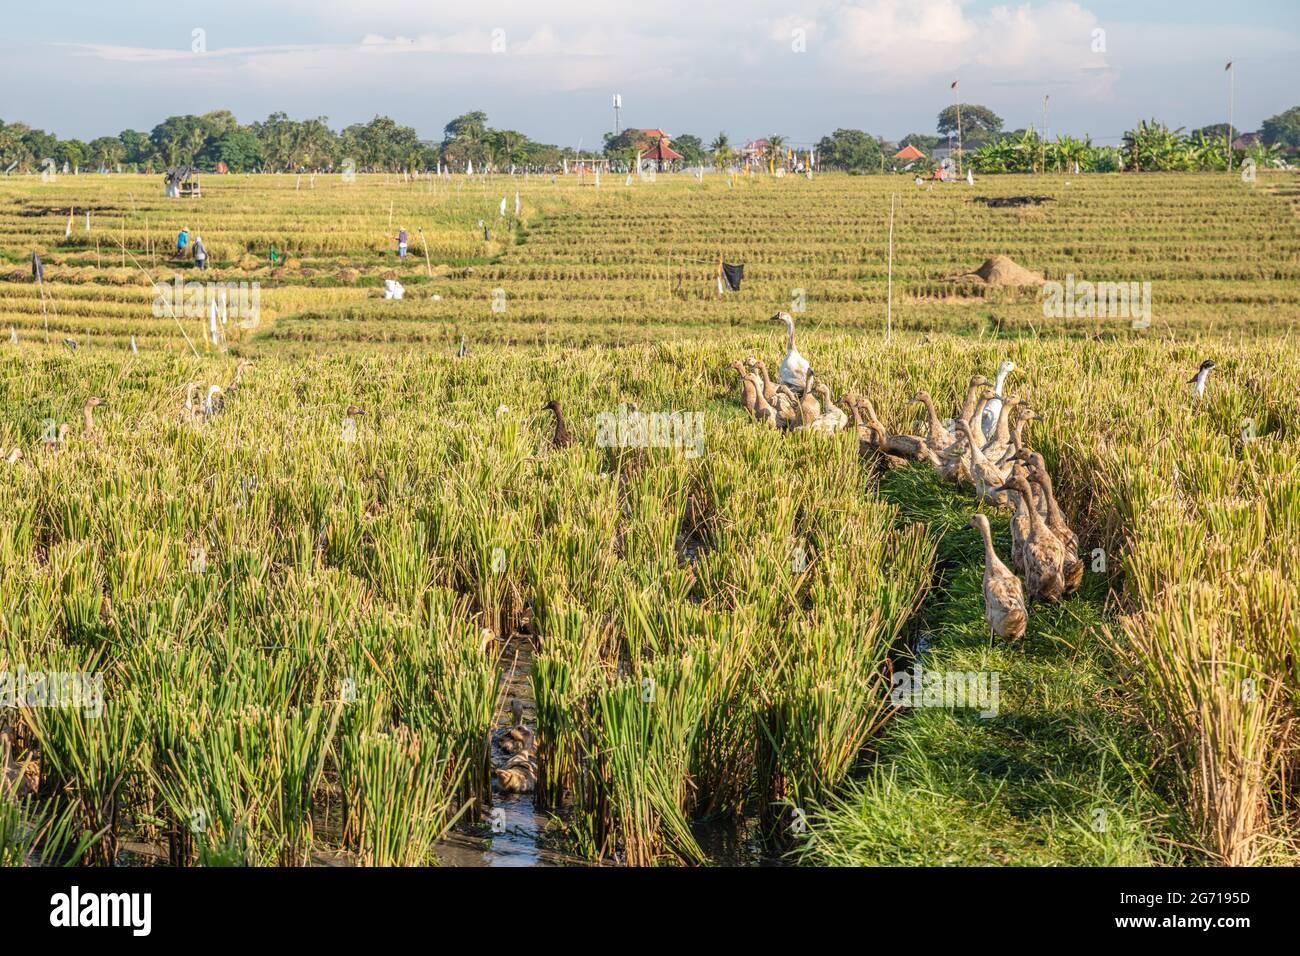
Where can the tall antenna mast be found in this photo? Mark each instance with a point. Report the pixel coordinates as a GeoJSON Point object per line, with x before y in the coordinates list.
{"type": "Point", "coordinates": [618, 105]}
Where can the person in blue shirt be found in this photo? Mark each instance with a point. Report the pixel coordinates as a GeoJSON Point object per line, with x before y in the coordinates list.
{"type": "Point", "coordinates": [182, 240]}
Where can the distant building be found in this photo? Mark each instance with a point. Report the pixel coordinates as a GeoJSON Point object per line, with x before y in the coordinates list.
{"type": "Point", "coordinates": [754, 152]}
{"type": "Point", "coordinates": [661, 154]}
{"type": "Point", "coordinates": [909, 153]}
{"type": "Point", "coordinates": [656, 146]}
{"type": "Point", "coordinates": [1247, 140]}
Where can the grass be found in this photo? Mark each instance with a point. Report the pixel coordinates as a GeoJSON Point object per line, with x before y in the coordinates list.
{"type": "Point", "coordinates": [1055, 778]}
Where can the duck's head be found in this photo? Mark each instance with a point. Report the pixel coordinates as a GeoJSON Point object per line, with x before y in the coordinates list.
{"type": "Point", "coordinates": [1006, 368]}
{"type": "Point", "coordinates": [979, 522]}
{"type": "Point", "coordinates": [553, 405]}
{"type": "Point", "coordinates": [94, 402]}
{"type": "Point", "coordinates": [785, 317]}
{"type": "Point", "coordinates": [920, 396]}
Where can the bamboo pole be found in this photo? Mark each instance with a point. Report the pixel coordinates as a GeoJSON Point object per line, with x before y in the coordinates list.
{"type": "Point", "coordinates": [40, 284]}
{"type": "Point", "coordinates": [889, 281]}
{"type": "Point", "coordinates": [424, 242]}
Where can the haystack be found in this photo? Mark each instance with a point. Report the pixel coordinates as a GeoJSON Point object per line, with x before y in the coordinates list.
{"type": "Point", "coordinates": [1000, 271]}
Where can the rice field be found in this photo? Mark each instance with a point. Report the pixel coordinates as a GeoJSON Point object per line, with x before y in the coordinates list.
{"type": "Point", "coordinates": [305, 613]}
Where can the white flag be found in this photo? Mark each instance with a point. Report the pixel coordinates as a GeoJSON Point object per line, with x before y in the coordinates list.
{"type": "Point", "coordinates": [503, 207]}
{"type": "Point", "coordinates": [469, 167]}
{"type": "Point", "coordinates": [516, 203]}
{"type": "Point", "coordinates": [134, 350]}
{"type": "Point", "coordinates": [566, 166]}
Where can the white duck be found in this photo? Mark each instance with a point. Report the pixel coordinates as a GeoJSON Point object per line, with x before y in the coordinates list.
{"type": "Point", "coordinates": [794, 367]}
{"type": "Point", "coordinates": [989, 420]}
{"type": "Point", "coordinates": [212, 403]}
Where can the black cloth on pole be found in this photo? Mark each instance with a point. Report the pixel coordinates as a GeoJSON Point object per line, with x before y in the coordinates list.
{"type": "Point", "coordinates": [733, 275]}
{"type": "Point", "coordinates": [38, 270]}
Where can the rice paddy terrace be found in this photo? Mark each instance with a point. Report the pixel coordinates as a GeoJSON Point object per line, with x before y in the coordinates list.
{"type": "Point", "coordinates": [308, 622]}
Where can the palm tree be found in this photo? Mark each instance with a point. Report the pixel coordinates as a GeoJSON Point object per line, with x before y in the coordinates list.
{"type": "Point", "coordinates": [722, 152]}
{"type": "Point", "coordinates": [775, 152]}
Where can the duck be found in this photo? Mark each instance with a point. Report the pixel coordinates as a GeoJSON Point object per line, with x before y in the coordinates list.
{"type": "Point", "coordinates": [190, 411]}
{"type": "Point", "coordinates": [1024, 415]}
{"type": "Point", "coordinates": [987, 478]}
{"type": "Point", "coordinates": [54, 441]}
{"type": "Point", "coordinates": [1072, 566]}
{"type": "Point", "coordinates": [758, 368]}
{"type": "Point", "coordinates": [519, 775]}
{"type": "Point", "coordinates": [87, 418]}
{"type": "Point", "coordinates": [969, 407]}
{"type": "Point", "coordinates": [517, 738]}
{"type": "Point", "coordinates": [1044, 554]}
{"type": "Point", "coordinates": [1201, 377]}
{"type": "Point", "coordinates": [794, 367]}
{"type": "Point", "coordinates": [1020, 525]}
{"type": "Point", "coordinates": [833, 417]}
{"type": "Point", "coordinates": [812, 409]}
{"type": "Point", "coordinates": [13, 456]}
{"type": "Point", "coordinates": [789, 413]}
{"type": "Point", "coordinates": [561, 438]}
{"type": "Point", "coordinates": [1004, 598]}
{"type": "Point", "coordinates": [234, 385]}
{"type": "Point", "coordinates": [214, 401]}
{"type": "Point", "coordinates": [748, 390]}
{"type": "Point", "coordinates": [989, 419]}
{"type": "Point", "coordinates": [939, 438]}
{"type": "Point", "coordinates": [952, 462]}
{"type": "Point", "coordinates": [996, 445]}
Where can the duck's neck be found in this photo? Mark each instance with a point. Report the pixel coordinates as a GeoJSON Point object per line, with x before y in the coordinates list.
{"type": "Point", "coordinates": [968, 407]}
{"type": "Point", "coordinates": [1049, 493]}
{"type": "Point", "coordinates": [1002, 434]}
{"type": "Point", "coordinates": [871, 414]}
{"type": "Point", "coordinates": [936, 428]}
{"type": "Point", "coordinates": [990, 555]}
{"type": "Point", "coordinates": [1001, 380]}
{"type": "Point", "coordinates": [790, 339]}
{"type": "Point", "coordinates": [87, 420]}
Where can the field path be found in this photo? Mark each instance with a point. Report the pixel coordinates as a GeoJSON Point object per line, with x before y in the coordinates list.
{"type": "Point", "coordinates": [1053, 778]}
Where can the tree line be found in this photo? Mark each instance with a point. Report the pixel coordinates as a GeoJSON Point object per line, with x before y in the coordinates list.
{"type": "Point", "coordinates": [280, 143]}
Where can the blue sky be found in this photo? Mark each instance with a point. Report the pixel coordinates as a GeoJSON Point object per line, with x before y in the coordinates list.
{"type": "Point", "coordinates": [797, 68]}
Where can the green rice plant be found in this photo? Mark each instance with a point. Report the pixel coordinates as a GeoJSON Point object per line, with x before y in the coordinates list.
{"type": "Point", "coordinates": [408, 797]}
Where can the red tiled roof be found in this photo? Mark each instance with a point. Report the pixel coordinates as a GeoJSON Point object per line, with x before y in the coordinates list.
{"type": "Point", "coordinates": [662, 152]}
{"type": "Point", "coordinates": [909, 152]}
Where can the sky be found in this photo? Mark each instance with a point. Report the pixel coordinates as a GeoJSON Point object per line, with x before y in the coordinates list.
{"type": "Point", "coordinates": [800, 68]}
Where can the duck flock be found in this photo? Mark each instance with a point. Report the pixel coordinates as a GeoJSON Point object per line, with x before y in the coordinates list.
{"type": "Point", "coordinates": [981, 447]}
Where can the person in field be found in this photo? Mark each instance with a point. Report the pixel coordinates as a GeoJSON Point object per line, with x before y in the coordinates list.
{"type": "Point", "coordinates": [200, 253]}
{"type": "Point", "coordinates": [182, 240]}
{"type": "Point", "coordinates": [401, 243]}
